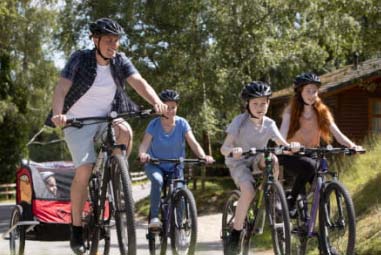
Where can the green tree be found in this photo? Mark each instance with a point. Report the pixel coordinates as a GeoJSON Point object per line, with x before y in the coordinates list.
{"type": "Point", "coordinates": [27, 76]}
{"type": "Point", "coordinates": [208, 49]}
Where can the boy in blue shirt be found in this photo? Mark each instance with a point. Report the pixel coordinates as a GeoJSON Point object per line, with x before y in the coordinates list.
{"type": "Point", "coordinates": [165, 137]}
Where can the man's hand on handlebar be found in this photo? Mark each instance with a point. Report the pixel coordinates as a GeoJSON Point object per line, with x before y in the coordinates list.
{"type": "Point", "coordinates": [209, 159]}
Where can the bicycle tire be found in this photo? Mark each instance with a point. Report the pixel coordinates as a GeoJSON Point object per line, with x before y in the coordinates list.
{"type": "Point", "coordinates": [17, 236]}
{"type": "Point", "coordinates": [164, 207]}
{"type": "Point", "coordinates": [299, 237]}
{"type": "Point", "coordinates": [95, 230]}
{"type": "Point", "coordinates": [331, 220]}
{"type": "Point", "coordinates": [228, 216]}
{"type": "Point", "coordinates": [248, 233]}
{"type": "Point", "coordinates": [124, 205]}
{"type": "Point", "coordinates": [278, 219]}
{"type": "Point", "coordinates": [154, 240]}
{"type": "Point", "coordinates": [183, 224]}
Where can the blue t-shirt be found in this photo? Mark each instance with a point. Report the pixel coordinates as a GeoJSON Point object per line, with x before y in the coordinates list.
{"type": "Point", "coordinates": [167, 145]}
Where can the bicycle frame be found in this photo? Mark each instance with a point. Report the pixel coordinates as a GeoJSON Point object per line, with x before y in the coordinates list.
{"type": "Point", "coordinates": [262, 185]}
{"type": "Point", "coordinates": [322, 171]}
{"type": "Point", "coordinates": [169, 188]}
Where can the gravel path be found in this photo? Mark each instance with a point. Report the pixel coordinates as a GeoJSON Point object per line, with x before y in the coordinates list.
{"type": "Point", "coordinates": [209, 242]}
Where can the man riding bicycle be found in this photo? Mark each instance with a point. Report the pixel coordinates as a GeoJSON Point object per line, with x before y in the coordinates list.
{"type": "Point", "coordinates": [92, 84]}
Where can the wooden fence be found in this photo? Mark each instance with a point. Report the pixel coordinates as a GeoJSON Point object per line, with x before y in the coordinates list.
{"type": "Point", "coordinates": [7, 191]}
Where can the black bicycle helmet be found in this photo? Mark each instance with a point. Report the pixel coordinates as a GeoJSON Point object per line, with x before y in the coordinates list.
{"type": "Point", "coordinates": [169, 95]}
{"type": "Point", "coordinates": [105, 26]}
{"type": "Point", "coordinates": [255, 89]}
{"type": "Point", "coordinates": [306, 78]}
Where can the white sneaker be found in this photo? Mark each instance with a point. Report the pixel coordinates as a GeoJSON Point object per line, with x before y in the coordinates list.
{"type": "Point", "coordinates": [154, 223]}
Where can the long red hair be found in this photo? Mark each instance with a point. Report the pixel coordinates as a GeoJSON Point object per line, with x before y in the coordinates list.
{"type": "Point", "coordinates": [324, 116]}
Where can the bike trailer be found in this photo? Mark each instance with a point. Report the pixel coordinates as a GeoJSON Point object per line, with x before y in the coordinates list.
{"type": "Point", "coordinates": [43, 196]}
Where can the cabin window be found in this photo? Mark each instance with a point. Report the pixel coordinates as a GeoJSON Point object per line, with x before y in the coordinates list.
{"type": "Point", "coordinates": [375, 116]}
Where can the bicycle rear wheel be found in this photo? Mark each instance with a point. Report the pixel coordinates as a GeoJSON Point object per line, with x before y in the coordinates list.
{"type": "Point", "coordinates": [228, 216]}
{"type": "Point", "coordinates": [157, 240]}
{"type": "Point", "coordinates": [96, 229]}
{"type": "Point", "coordinates": [337, 220]}
{"type": "Point", "coordinates": [124, 205]}
{"type": "Point", "coordinates": [17, 236]}
{"type": "Point", "coordinates": [299, 237]}
{"type": "Point", "coordinates": [279, 219]}
{"type": "Point", "coordinates": [183, 232]}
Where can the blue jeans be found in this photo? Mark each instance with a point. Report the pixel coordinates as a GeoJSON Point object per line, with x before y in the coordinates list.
{"type": "Point", "coordinates": [156, 176]}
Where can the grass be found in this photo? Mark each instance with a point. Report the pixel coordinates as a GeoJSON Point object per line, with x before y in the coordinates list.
{"type": "Point", "coordinates": [362, 178]}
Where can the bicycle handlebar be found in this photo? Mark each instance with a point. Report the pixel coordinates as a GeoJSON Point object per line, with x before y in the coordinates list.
{"type": "Point", "coordinates": [157, 161]}
{"type": "Point", "coordinates": [254, 151]}
{"type": "Point", "coordinates": [329, 149]}
{"type": "Point", "coordinates": [303, 151]}
{"type": "Point", "coordinates": [78, 122]}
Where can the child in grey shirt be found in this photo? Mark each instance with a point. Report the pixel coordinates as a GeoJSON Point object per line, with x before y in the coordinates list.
{"type": "Point", "coordinates": [251, 129]}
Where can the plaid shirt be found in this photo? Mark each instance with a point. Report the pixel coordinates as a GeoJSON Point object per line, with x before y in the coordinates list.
{"type": "Point", "coordinates": [81, 69]}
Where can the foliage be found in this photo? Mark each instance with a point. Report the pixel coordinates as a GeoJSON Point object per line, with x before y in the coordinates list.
{"type": "Point", "coordinates": [208, 49]}
{"type": "Point", "coordinates": [362, 177]}
{"type": "Point", "coordinates": [27, 74]}
{"type": "Point", "coordinates": [205, 49]}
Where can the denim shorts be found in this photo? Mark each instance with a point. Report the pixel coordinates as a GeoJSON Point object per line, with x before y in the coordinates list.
{"type": "Point", "coordinates": [241, 170]}
{"type": "Point", "coordinates": [81, 142]}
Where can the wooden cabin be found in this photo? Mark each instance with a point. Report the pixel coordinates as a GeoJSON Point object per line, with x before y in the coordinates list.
{"type": "Point", "coordinates": [353, 93]}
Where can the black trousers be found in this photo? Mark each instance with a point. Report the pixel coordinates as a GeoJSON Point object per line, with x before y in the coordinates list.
{"type": "Point", "coordinates": [303, 168]}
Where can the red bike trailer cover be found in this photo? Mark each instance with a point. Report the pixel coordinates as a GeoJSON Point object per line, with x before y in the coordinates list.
{"type": "Point", "coordinates": [49, 211]}
{"type": "Point", "coordinates": [48, 206]}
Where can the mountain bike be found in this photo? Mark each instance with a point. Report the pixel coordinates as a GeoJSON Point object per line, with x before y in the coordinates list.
{"type": "Point", "coordinates": [269, 200]}
{"type": "Point", "coordinates": [110, 190]}
{"type": "Point", "coordinates": [178, 212]}
{"type": "Point", "coordinates": [337, 222]}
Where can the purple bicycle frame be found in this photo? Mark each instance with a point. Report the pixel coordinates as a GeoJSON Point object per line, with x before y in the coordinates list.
{"type": "Point", "coordinates": [315, 202]}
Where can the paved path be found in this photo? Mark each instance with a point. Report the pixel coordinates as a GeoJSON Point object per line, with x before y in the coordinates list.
{"type": "Point", "coordinates": [208, 235]}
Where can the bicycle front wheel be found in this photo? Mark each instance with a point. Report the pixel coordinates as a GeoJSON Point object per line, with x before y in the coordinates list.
{"type": "Point", "coordinates": [183, 223]}
{"type": "Point", "coordinates": [279, 219]}
{"type": "Point", "coordinates": [124, 205]}
{"type": "Point", "coordinates": [337, 220]}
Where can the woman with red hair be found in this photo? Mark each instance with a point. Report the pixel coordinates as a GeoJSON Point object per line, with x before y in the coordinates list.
{"type": "Point", "coordinates": [307, 120]}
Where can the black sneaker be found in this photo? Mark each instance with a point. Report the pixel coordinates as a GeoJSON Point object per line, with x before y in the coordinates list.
{"type": "Point", "coordinates": [291, 207]}
{"type": "Point", "coordinates": [232, 244]}
{"type": "Point", "coordinates": [76, 240]}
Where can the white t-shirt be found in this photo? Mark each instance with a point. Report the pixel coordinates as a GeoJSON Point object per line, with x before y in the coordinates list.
{"type": "Point", "coordinates": [98, 99]}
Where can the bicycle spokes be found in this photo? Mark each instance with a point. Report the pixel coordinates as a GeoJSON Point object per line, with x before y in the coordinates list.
{"type": "Point", "coordinates": [183, 225]}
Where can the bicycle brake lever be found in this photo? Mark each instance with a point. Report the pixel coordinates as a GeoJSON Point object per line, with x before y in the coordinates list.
{"type": "Point", "coordinates": [76, 124]}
